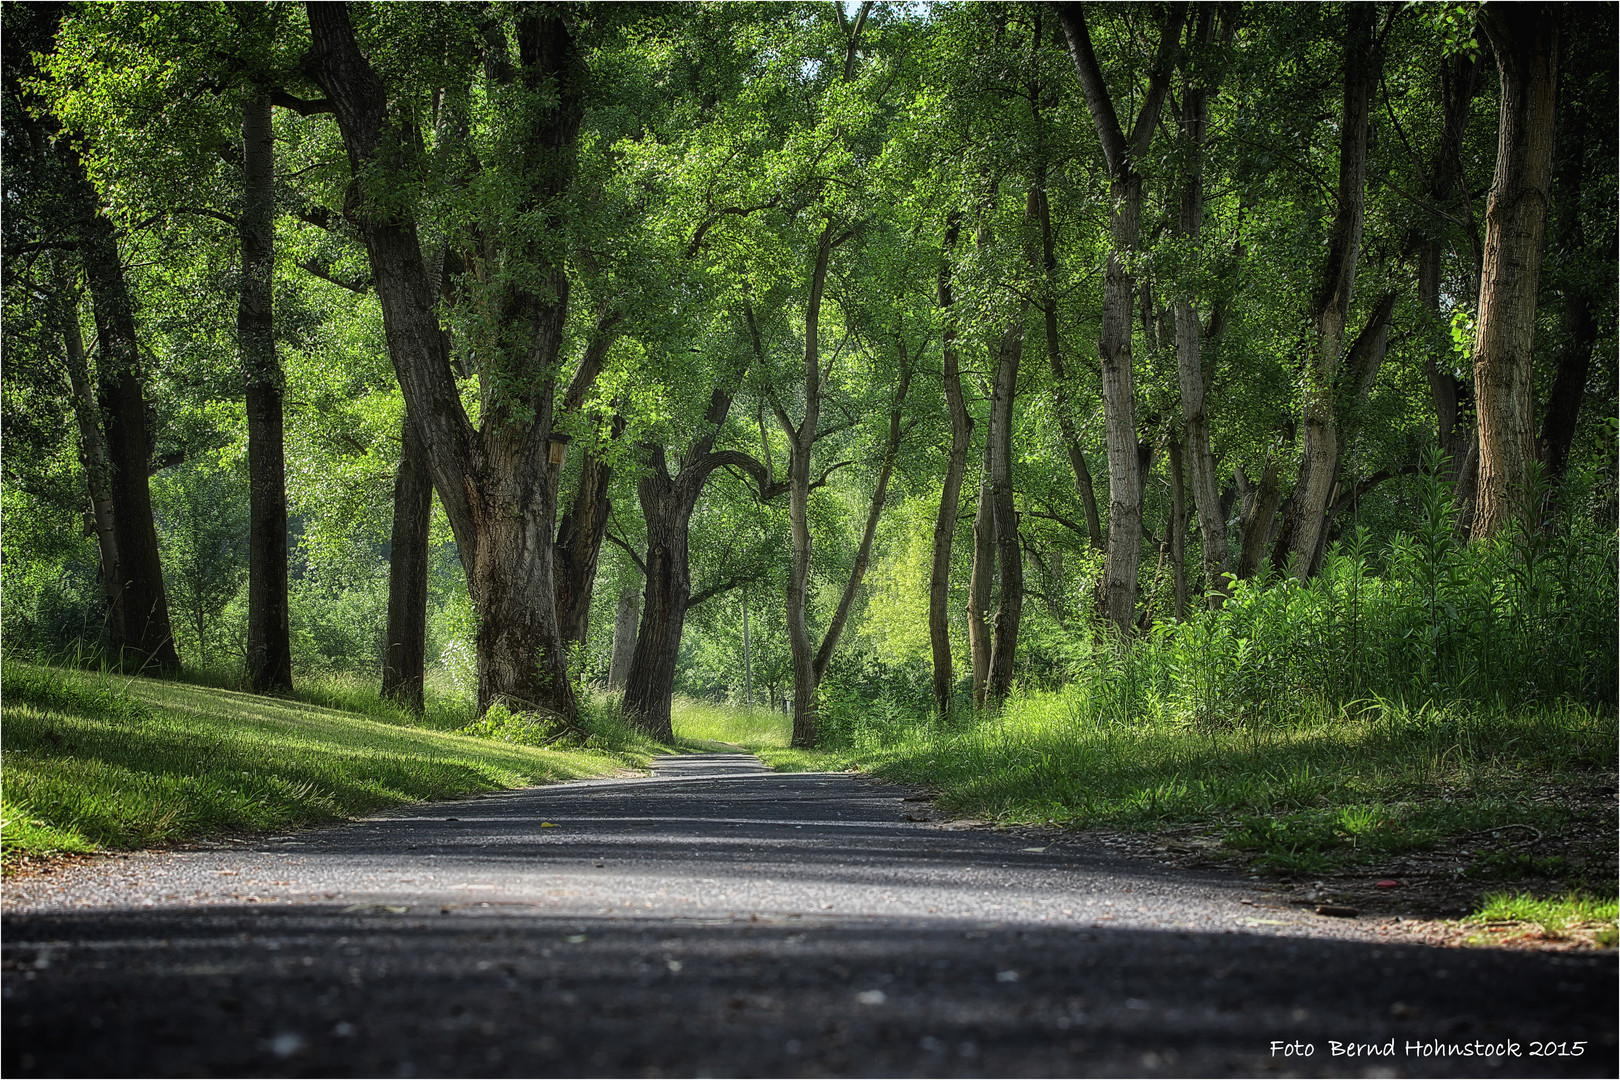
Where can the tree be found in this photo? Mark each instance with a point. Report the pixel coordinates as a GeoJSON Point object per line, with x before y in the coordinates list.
{"type": "Point", "coordinates": [1525, 40]}
{"type": "Point", "coordinates": [1122, 151]}
{"type": "Point", "coordinates": [494, 479]}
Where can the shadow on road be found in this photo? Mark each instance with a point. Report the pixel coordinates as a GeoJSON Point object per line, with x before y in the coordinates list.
{"type": "Point", "coordinates": [503, 991]}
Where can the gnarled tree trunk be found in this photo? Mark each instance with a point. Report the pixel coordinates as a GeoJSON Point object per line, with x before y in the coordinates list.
{"type": "Point", "coordinates": [494, 482]}
{"type": "Point", "coordinates": [1009, 556]}
{"type": "Point", "coordinates": [1525, 40]}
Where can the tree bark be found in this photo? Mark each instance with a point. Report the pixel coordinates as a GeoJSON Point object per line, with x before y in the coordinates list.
{"type": "Point", "coordinates": [1177, 530]}
{"type": "Point", "coordinates": [148, 642]}
{"type": "Point", "coordinates": [1525, 40]}
{"type": "Point", "coordinates": [93, 455]}
{"type": "Point", "coordinates": [667, 503]}
{"type": "Point", "coordinates": [950, 498]}
{"type": "Point", "coordinates": [1189, 363]}
{"type": "Point", "coordinates": [494, 482]}
{"type": "Point", "coordinates": [579, 545]}
{"type": "Point", "coordinates": [1124, 550]}
{"type": "Point", "coordinates": [1259, 515]}
{"type": "Point", "coordinates": [1319, 421]}
{"type": "Point", "coordinates": [626, 624]}
{"type": "Point", "coordinates": [269, 641]}
{"type": "Point", "coordinates": [1579, 322]}
{"type": "Point", "coordinates": [406, 656]}
{"type": "Point", "coordinates": [982, 578]}
{"type": "Point", "coordinates": [1009, 556]}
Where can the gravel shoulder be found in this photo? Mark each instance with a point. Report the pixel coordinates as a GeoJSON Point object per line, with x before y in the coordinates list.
{"type": "Point", "coordinates": [716, 918]}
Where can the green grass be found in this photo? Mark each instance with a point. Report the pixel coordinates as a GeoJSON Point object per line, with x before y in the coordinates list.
{"type": "Point", "coordinates": [92, 761]}
{"type": "Point", "coordinates": [700, 722]}
{"type": "Point", "coordinates": [1556, 917]}
{"type": "Point", "coordinates": [1319, 792]}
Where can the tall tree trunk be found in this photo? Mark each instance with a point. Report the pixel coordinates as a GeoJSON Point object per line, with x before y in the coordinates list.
{"type": "Point", "coordinates": [148, 640]}
{"type": "Point", "coordinates": [667, 506]}
{"type": "Point", "coordinates": [1579, 322]}
{"type": "Point", "coordinates": [269, 641]}
{"type": "Point", "coordinates": [1189, 362]}
{"type": "Point", "coordinates": [1063, 401]}
{"type": "Point", "coordinates": [1525, 40]}
{"type": "Point", "coordinates": [667, 503]}
{"type": "Point", "coordinates": [950, 498]}
{"type": "Point", "coordinates": [801, 440]}
{"type": "Point", "coordinates": [92, 453]}
{"type": "Point", "coordinates": [1009, 556]}
{"type": "Point", "coordinates": [498, 491]}
{"type": "Point", "coordinates": [626, 624]}
{"type": "Point", "coordinates": [982, 578]}
{"type": "Point", "coordinates": [1122, 153]}
{"type": "Point", "coordinates": [406, 655]}
{"type": "Point", "coordinates": [1319, 421]}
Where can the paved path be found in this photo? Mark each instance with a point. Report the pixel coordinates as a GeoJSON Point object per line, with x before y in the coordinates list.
{"type": "Point", "coordinates": [718, 919]}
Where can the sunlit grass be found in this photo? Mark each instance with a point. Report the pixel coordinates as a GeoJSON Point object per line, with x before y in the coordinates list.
{"type": "Point", "coordinates": [751, 729]}
{"type": "Point", "coordinates": [1557, 918]}
{"type": "Point", "coordinates": [93, 761]}
{"type": "Point", "coordinates": [1320, 790]}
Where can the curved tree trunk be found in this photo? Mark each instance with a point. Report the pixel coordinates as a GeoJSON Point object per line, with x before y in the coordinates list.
{"type": "Point", "coordinates": [406, 655]}
{"type": "Point", "coordinates": [950, 498]}
{"type": "Point", "coordinates": [269, 640]}
{"type": "Point", "coordinates": [1525, 40]}
{"type": "Point", "coordinates": [148, 640]}
{"type": "Point", "coordinates": [1319, 421]}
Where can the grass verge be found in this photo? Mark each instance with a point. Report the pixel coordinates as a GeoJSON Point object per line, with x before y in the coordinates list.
{"type": "Point", "coordinates": [1449, 802]}
{"type": "Point", "coordinates": [1573, 917]}
{"type": "Point", "coordinates": [93, 762]}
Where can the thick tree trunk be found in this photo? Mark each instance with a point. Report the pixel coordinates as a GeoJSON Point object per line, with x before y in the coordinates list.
{"type": "Point", "coordinates": [1525, 40]}
{"type": "Point", "coordinates": [982, 578]}
{"type": "Point", "coordinates": [579, 547]}
{"type": "Point", "coordinates": [667, 503]}
{"type": "Point", "coordinates": [148, 640]}
{"type": "Point", "coordinates": [1260, 513]}
{"type": "Point", "coordinates": [406, 655]}
{"type": "Point", "coordinates": [667, 506]}
{"type": "Point", "coordinates": [1122, 152]}
{"type": "Point", "coordinates": [269, 642]}
{"type": "Point", "coordinates": [494, 482]}
{"type": "Point", "coordinates": [626, 626]}
{"type": "Point", "coordinates": [93, 455]}
{"type": "Point", "coordinates": [1189, 362]}
{"type": "Point", "coordinates": [1319, 421]}
{"type": "Point", "coordinates": [1009, 556]}
{"type": "Point", "coordinates": [950, 498]}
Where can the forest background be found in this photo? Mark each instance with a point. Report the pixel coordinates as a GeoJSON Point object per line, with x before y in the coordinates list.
{"type": "Point", "coordinates": [968, 382]}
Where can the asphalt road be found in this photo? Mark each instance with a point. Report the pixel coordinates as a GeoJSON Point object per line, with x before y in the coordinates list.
{"type": "Point", "coordinates": [717, 919]}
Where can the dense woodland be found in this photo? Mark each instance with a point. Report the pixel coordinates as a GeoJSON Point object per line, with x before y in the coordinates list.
{"type": "Point", "coordinates": [846, 358]}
